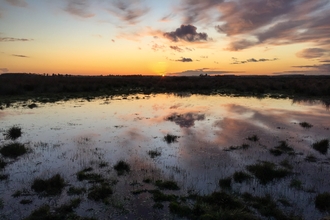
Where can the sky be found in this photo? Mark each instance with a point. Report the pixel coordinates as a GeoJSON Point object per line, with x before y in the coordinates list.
{"type": "Point", "coordinates": [165, 37]}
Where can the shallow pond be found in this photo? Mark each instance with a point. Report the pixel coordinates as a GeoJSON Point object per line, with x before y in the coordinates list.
{"type": "Point", "coordinates": [66, 137]}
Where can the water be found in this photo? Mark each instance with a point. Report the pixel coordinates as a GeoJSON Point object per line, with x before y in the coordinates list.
{"type": "Point", "coordinates": [66, 137]}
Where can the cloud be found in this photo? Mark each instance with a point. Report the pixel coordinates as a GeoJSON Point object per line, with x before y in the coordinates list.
{"type": "Point", "coordinates": [184, 60]}
{"type": "Point", "coordinates": [4, 70]}
{"type": "Point", "coordinates": [311, 53]}
{"type": "Point", "coordinates": [167, 18]}
{"type": "Point", "coordinates": [157, 47]}
{"type": "Point", "coordinates": [252, 60]}
{"type": "Point", "coordinates": [186, 33]}
{"type": "Point", "coordinates": [18, 3]}
{"type": "Point", "coordinates": [79, 8]}
{"type": "Point", "coordinates": [325, 61]}
{"type": "Point", "coordinates": [176, 48]}
{"type": "Point", "coordinates": [129, 11]}
{"type": "Point", "coordinates": [325, 68]}
{"type": "Point", "coordinates": [12, 39]}
{"type": "Point", "coordinates": [203, 71]}
{"type": "Point", "coordinates": [19, 55]}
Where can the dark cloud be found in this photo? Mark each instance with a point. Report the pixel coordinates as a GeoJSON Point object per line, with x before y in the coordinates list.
{"type": "Point", "coordinates": [325, 68]}
{"type": "Point", "coordinates": [129, 11]}
{"type": "Point", "coordinates": [252, 60]}
{"type": "Point", "coordinates": [186, 33]}
{"type": "Point", "coordinates": [79, 8]}
{"type": "Point", "coordinates": [203, 71]}
{"type": "Point", "coordinates": [12, 39]}
{"type": "Point", "coordinates": [4, 70]}
{"type": "Point", "coordinates": [186, 120]}
{"type": "Point", "coordinates": [19, 3]}
{"type": "Point", "coordinates": [197, 10]}
{"type": "Point", "coordinates": [184, 60]}
{"type": "Point", "coordinates": [311, 53]}
{"type": "Point", "coordinates": [176, 48]}
{"type": "Point", "coordinates": [19, 55]}
{"type": "Point", "coordinates": [325, 61]}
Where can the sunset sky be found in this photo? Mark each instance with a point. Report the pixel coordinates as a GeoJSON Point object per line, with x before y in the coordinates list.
{"type": "Point", "coordinates": [170, 37]}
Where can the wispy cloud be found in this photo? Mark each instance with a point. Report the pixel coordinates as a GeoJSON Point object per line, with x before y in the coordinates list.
{"type": "Point", "coordinates": [321, 67]}
{"type": "Point", "coordinates": [19, 55]}
{"type": "Point", "coordinates": [129, 11]}
{"type": "Point", "coordinates": [252, 60]}
{"type": "Point", "coordinates": [12, 39]}
{"type": "Point", "coordinates": [184, 60]}
{"type": "Point", "coordinates": [311, 53]}
{"type": "Point", "coordinates": [79, 8]}
{"type": "Point", "coordinates": [18, 3]}
{"type": "Point", "coordinates": [157, 47]}
{"type": "Point", "coordinates": [186, 33]}
{"type": "Point", "coordinates": [176, 48]}
{"type": "Point", "coordinates": [4, 70]}
{"type": "Point", "coordinates": [203, 71]}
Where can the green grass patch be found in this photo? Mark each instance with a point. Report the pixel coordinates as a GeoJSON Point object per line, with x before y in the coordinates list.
{"type": "Point", "coordinates": [169, 185]}
{"type": "Point", "coordinates": [122, 167]}
{"type": "Point", "coordinates": [266, 172]}
{"type": "Point", "coordinates": [50, 187]}
{"type": "Point", "coordinates": [159, 196]}
{"type": "Point", "coordinates": [13, 150]}
{"type": "Point", "coordinates": [321, 146]}
{"type": "Point", "coordinates": [179, 209]}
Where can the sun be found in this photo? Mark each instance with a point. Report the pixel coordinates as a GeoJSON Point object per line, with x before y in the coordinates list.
{"type": "Point", "coordinates": [159, 68]}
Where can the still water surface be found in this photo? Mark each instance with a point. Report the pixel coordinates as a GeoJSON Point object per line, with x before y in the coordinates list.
{"type": "Point", "coordinates": [66, 137]}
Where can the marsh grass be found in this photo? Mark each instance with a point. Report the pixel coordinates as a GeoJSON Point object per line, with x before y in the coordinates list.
{"type": "Point", "coordinates": [169, 185]}
{"type": "Point", "coordinates": [159, 196]}
{"type": "Point", "coordinates": [154, 153]}
{"type": "Point", "coordinates": [296, 184]}
{"type": "Point", "coordinates": [240, 177]}
{"type": "Point", "coordinates": [179, 209]}
{"type": "Point", "coordinates": [321, 146]}
{"type": "Point", "coordinates": [91, 177]}
{"type": "Point", "coordinates": [13, 133]}
{"type": "Point", "coordinates": [99, 192]}
{"type": "Point", "coordinates": [241, 147]}
{"type": "Point", "coordinates": [122, 167]}
{"type": "Point", "coordinates": [2, 164]}
{"type": "Point", "coordinates": [322, 202]}
{"type": "Point", "coordinates": [305, 125]}
{"type": "Point", "coordinates": [26, 201]}
{"type": "Point", "coordinates": [282, 148]}
{"type": "Point", "coordinates": [76, 191]}
{"type": "Point", "coordinates": [266, 172]}
{"type": "Point", "coordinates": [13, 150]}
{"type": "Point", "coordinates": [225, 183]}
{"type": "Point", "coordinates": [169, 138]}
{"type": "Point", "coordinates": [311, 158]}
{"type": "Point", "coordinates": [50, 187]}
{"type": "Point", "coordinates": [253, 138]}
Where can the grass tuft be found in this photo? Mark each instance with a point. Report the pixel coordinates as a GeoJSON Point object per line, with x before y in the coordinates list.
{"type": "Point", "coordinates": [170, 185]}
{"type": "Point", "coordinates": [282, 148]}
{"type": "Point", "coordinates": [52, 186]}
{"type": "Point", "coordinates": [13, 150]}
{"type": "Point", "coordinates": [169, 138]}
{"type": "Point", "coordinates": [321, 146]}
{"type": "Point", "coordinates": [122, 167]}
{"type": "Point", "coordinates": [101, 192]}
{"type": "Point", "coordinates": [225, 183]}
{"type": "Point", "coordinates": [266, 172]}
{"type": "Point", "coordinates": [305, 125]}
{"type": "Point", "coordinates": [240, 177]}
{"type": "Point", "coordinates": [154, 153]}
{"type": "Point", "coordinates": [13, 133]}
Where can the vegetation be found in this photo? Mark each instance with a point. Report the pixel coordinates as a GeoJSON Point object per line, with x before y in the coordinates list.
{"type": "Point", "coordinates": [154, 153]}
{"type": "Point", "coordinates": [91, 177]}
{"type": "Point", "coordinates": [253, 138]}
{"type": "Point", "coordinates": [13, 150]}
{"type": "Point", "coordinates": [100, 192]}
{"type": "Point", "coordinates": [170, 185]}
{"type": "Point", "coordinates": [322, 202]}
{"type": "Point", "coordinates": [13, 133]}
{"type": "Point", "coordinates": [50, 187]}
{"type": "Point", "coordinates": [169, 138]}
{"type": "Point", "coordinates": [305, 125]}
{"type": "Point", "coordinates": [321, 146]}
{"type": "Point", "coordinates": [240, 177]}
{"type": "Point", "coordinates": [2, 164]}
{"type": "Point", "coordinates": [122, 167]}
{"type": "Point", "coordinates": [282, 148]}
{"type": "Point", "coordinates": [266, 172]}
{"type": "Point", "coordinates": [225, 183]}
{"type": "Point", "coordinates": [76, 191]}
{"type": "Point", "coordinates": [296, 184]}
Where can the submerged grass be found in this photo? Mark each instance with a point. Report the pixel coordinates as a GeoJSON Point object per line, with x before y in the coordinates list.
{"type": "Point", "coordinates": [50, 187]}
{"type": "Point", "coordinates": [321, 146]}
{"type": "Point", "coordinates": [266, 172]}
{"type": "Point", "coordinates": [13, 133]}
{"type": "Point", "coordinates": [13, 150]}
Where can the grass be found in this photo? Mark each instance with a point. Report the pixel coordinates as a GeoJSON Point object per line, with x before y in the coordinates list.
{"type": "Point", "coordinates": [154, 153]}
{"type": "Point", "coordinates": [169, 185]}
{"type": "Point", "coordinates": [311, 158]}
{"type": "Point", "coordinates": [267, 172]}
{"type": "Point", "coordinates": [76, 191]}
{"type": "Point", "coordinates": [13, 133]}
{"type": "Point", "coordinates": [169, 138]}
{"type": "Point", "coordinates": [91, 177]}
{"type": "Point", "coordinates": [100, 192]}
{"type": "Point", "coordinates": [122, 167]}
{"type": "Point", "coordinates": [242, 147]}
{"type": "Point", "coordinates": [305, 125]}
{"type": "Point", "coordinates": [240, 177]}
{"type": "Point", "coordinates": [2, 164]}
{"type": "Point", "coordinates": [321, 146]}
{"type": "Point", "coordinates": [253, 138]}
{"type": "Point", "coordinates": [159, 196]}
{"type": "Point", "coordinates": [50, 187]}
{"type": "Point", "coordinates": [322, 202]}
{"type": "Point", "coordinates": [4, 177]}
{"type": "Point", "coordinates": [13, 150]}
{"type": "Point", "coordinates": [296, 184]}
{"type": "Point", "coordinates": [225, 183]}
{"type": "Point", "coordinates": [282, 148]}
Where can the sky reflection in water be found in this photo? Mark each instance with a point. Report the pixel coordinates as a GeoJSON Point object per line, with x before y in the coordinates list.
{"type": "Point", "coordinates": [69, 136]}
